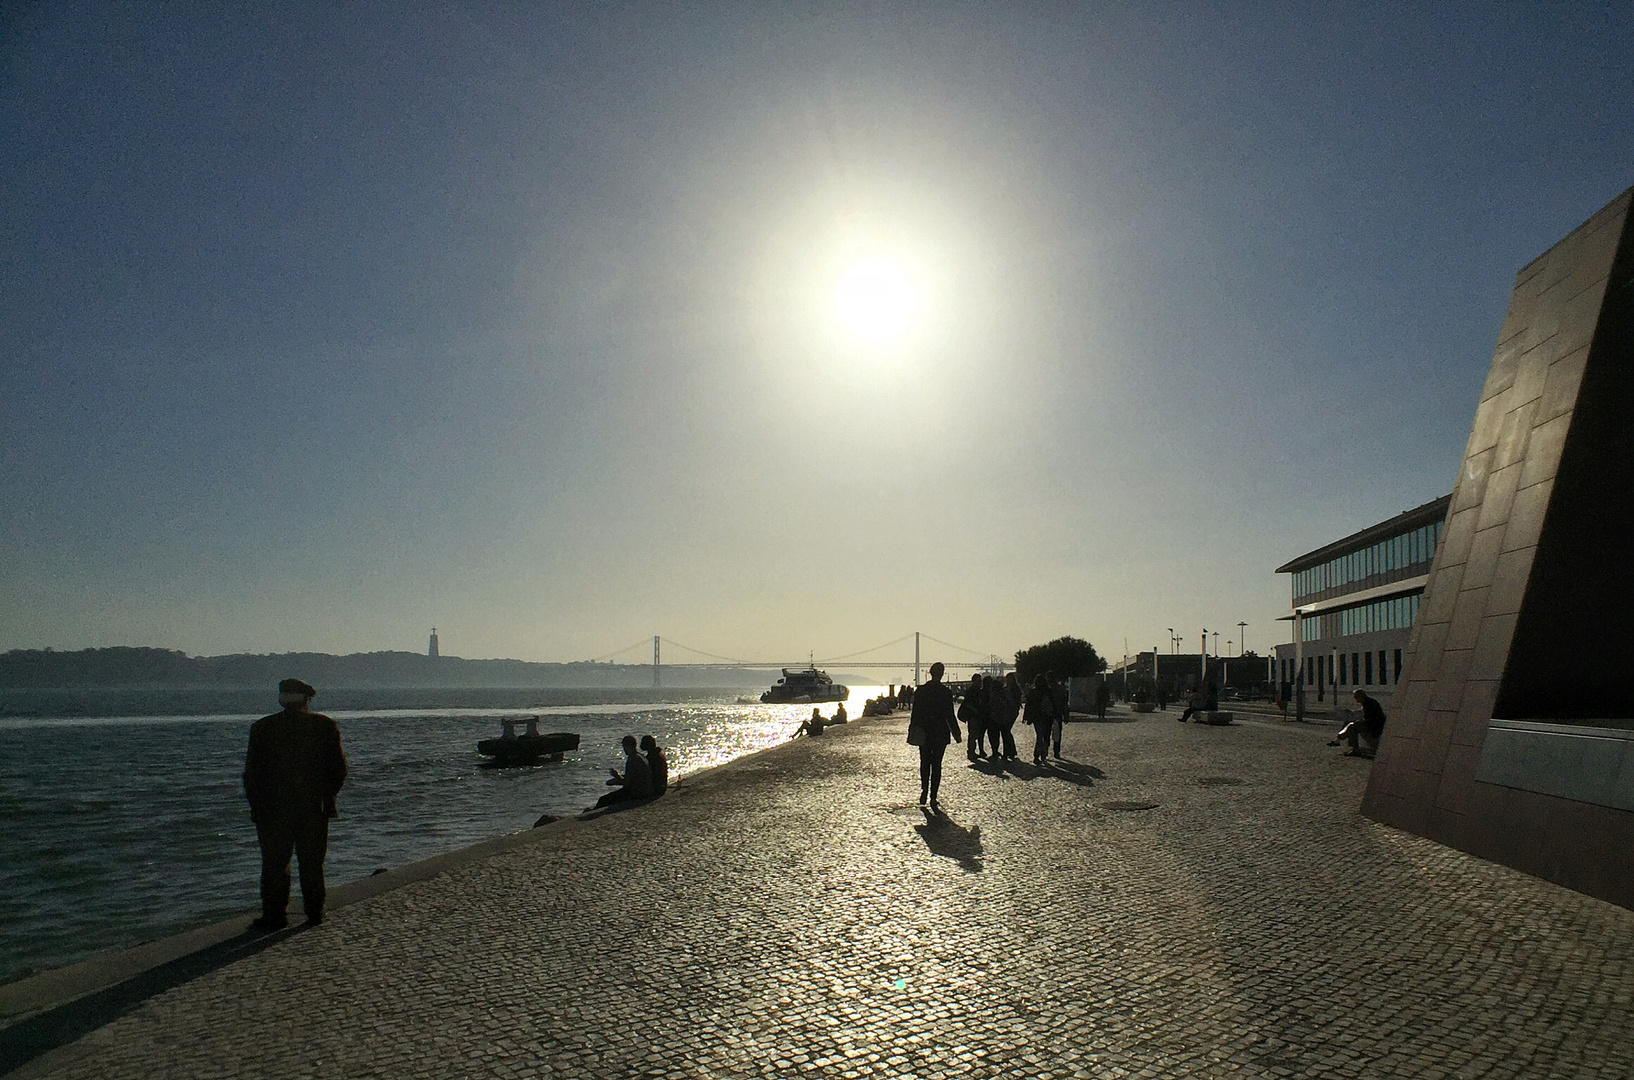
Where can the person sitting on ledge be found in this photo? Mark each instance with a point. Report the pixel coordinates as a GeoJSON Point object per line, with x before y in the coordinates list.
{"type": "Point", "coordinates": [657, 764]}
{"type": "Point", "coordinates": [839, 714]}
{"type": "Point", "coordinates": [1194, 704]}
{"type": "Point", "coordinates": [1363, 735]}
{"type": "Point", "coordinates": [635, 782]}
{"type": "Point", "coordinates": [814, 726]}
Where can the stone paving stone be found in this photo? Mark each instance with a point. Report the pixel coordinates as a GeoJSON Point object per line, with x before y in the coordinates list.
{"type": "Point", "coordinates": [797, 915]}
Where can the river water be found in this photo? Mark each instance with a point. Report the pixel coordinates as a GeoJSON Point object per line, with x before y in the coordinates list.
{"type": "Point", "coordinates": [117, 829]}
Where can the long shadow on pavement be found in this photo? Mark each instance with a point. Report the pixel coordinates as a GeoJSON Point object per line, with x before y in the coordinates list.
{"type": "Point", "coordinates": [1073, 772]}
{"type": "Point", "coordinates": [950, 840]}
{"type": "Point", "coordinates": [26, 1040]}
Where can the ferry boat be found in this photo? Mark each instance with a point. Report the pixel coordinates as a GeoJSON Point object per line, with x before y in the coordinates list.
{"type": "Point", "coordinates": [804, 688]}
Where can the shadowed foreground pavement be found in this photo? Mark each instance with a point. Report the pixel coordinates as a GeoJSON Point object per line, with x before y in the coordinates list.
{"type": "Point", "coordinates": [796, 914]}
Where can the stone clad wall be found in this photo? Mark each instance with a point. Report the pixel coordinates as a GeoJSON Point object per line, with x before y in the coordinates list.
{"type": "Point", "coordinates": [1534, 569]}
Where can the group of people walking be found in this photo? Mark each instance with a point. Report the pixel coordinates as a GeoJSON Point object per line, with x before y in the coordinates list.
{"type": "Point", "coordinates": [988, 712]}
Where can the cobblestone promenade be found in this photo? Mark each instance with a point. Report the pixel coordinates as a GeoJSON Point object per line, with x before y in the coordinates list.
{"type": "Point", "coordinates": [795, 914]}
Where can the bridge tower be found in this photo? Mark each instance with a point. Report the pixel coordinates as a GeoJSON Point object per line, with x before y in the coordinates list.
{"type": "Point", "coordinates": [916, 658]}
{"type": "Point", "coordinates": [655, 661]}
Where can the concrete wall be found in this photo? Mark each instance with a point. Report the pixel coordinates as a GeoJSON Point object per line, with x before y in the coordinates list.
{"type": "Point", "coordinates": [1519, 619]}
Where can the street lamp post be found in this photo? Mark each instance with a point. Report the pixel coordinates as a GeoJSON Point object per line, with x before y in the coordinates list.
{"type": "Point", "coordinates": [1242, 638]}
{"type": "Point", "coordinates": [1299, 665]}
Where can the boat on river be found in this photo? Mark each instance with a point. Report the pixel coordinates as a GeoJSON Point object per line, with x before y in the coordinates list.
{"type": "Point", "coordinates": [804, 688]}
{"type": "Point", "coordinates": [528, 748]}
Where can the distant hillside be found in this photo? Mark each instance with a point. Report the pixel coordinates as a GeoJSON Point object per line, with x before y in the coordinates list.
{"type": "Point", "coordinates": [123, 666]}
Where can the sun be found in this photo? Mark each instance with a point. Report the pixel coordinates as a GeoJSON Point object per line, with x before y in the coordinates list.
{"type": "Point", "coordinates": [876, 300]}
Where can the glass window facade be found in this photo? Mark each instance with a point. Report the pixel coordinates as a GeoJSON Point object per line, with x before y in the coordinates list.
{"type": "Point", "coordinates": [1397, 613]}
{"type": "Point", "coordinates": [1404, 555]}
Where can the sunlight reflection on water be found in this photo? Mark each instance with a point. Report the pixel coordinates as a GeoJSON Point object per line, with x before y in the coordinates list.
{"type": "Point", "coordinates": [116, 830]}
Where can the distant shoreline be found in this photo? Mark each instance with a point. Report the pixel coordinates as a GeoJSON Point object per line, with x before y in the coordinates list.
{"type": "Point", "coordinates": [130, 668]}
{"type": "Point", "coordinates": [155, 699]}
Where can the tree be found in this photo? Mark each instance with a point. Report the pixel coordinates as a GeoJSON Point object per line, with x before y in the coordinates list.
{"type": "Point", "coordinates": [1068, 657]}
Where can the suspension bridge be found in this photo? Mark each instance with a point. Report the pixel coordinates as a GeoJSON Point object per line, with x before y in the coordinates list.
{"type": "Point", "coordinates": [954, 657]}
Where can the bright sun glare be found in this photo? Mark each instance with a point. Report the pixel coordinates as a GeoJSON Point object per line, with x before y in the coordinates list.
{"type": "Point", "coordinates": [876, 300]}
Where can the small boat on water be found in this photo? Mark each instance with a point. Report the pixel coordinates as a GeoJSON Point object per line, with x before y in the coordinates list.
{"type": "Point", "coordinates": [804, 688]}
{"type": "Point", "coordinates": [528, 748]}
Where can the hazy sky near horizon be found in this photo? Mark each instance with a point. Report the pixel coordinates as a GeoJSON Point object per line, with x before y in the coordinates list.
{"type": "Point", "coordinates": [323, 324]}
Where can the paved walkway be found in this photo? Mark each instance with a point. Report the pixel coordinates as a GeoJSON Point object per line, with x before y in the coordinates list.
{"type": "Point", "coordinates": [795, 914]}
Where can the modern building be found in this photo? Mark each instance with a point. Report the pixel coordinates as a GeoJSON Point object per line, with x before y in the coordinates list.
{"type": "Point", "coordinates": [1354, 604]}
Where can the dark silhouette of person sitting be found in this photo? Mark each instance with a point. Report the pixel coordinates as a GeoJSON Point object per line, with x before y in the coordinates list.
{"type": "Point", "coordinates": [814, 726]}
{"type": "Point", "coordinates": [1363, 735]}
{"type": "Point", "coordinates": [657, 764]}
{"type": "Point", "coordinates": [635, 782]}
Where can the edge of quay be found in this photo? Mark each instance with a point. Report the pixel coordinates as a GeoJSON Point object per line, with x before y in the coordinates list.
{"type": "Point", "coordinates": [130, 975]}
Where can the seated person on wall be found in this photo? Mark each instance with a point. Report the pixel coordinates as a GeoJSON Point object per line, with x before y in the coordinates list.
{"type": "Point", "coordinates": [839, 714]}
{"type": "Point", "coordinates": [1363, 735]}
{"type": "Point", "coordinates": [814, 726]}
{"type": "Point", "coordinates": [635, 782]}
{"type": "Point", "coordinates": [657, 764]}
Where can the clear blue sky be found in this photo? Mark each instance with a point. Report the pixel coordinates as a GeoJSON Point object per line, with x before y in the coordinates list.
{"type": "Point", "coordinates": [321, 325]}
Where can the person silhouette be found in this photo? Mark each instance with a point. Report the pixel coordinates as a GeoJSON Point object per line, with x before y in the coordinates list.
{"type": "Point", "coordinates": [930, 726]}
{"type": "Point", "coordinates": [635, 782]}
{"type": "Point", "coordinates": [657, 764]}
{"type": "Point", "coordinates": [973, 714]}
{"type": "Point", "coordinates": [1363, 735]}
{"type": "Point", "coordinates": [1041, 715]}
{"type": "Point", "coordinates": [293, 772]}
{"type": "Point", "coordinates": [814, 726]}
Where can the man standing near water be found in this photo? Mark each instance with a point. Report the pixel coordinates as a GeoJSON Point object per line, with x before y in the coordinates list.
{"type": "Point", "coordinates": [293, 772]}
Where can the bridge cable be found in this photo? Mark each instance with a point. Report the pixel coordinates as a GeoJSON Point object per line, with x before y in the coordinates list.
{"type": "Point", "coordinates": [865, 652]}
{"type": "Point", "coordinates": [712, 656]}
{"type": "Point", "coordinates": [618, 652]}
{"type": "Point", "coordinates": [950, 645]}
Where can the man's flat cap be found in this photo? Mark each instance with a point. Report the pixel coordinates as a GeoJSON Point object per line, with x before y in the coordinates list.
{"type": "Point", "coordinates": [296, 686]}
